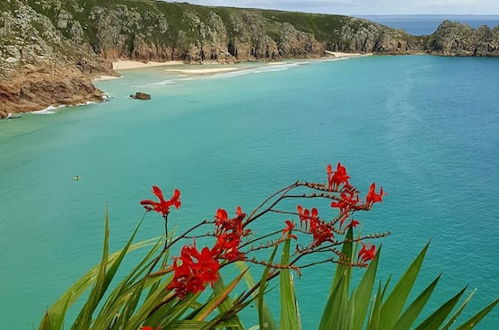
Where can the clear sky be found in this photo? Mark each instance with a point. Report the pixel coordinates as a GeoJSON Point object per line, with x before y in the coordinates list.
{"type": "Point", "coordinates": [366, 7]}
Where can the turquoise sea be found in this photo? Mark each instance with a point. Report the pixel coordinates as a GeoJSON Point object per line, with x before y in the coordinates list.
{"type": "Point", "coordinates": [426, 128]}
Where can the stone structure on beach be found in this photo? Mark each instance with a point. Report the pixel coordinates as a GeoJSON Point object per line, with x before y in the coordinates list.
{"type": "Point", "coordinates": [51, 49]}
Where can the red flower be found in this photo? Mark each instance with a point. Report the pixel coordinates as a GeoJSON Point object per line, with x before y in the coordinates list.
{"type": "Point", "coordinates": [288, 229]}
{"type": "Point", "coordinates": [227, 246]}
{"type": "Point", "coordinates": [366, 254]}
{"type": "Point", "coordinates": [196, 269]}
{"type": "Point", "coordinates": [229, 233]}
{"type": "Point", "coordinates": [352, 224]}
{"type": "Point", "coordinates": [321, 232]}
{"type": "Point", "coordinates": [307, 215]}
{"type": "Point", "coordinates": [349, 200]}
{"type": "Point", "coordinates": [145, 327]}
{"type": "Point", "coordinates": [221, 217]}
{"type": "Point", "coordinates": [338, 177]}
{"type": "Point", "coordinates": [162, 206]}
{"type": "Point", "coordinates": [372, 197]}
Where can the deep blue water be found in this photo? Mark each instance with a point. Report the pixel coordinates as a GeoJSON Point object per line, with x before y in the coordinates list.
{"type": "Point", "coordinates": [425, 128]}
{"type": "Point", "coordinates": [427, 24]}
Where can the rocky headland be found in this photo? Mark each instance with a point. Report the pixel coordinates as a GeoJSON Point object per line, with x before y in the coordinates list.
{"type": "Point", "coordinates": [51, 49]}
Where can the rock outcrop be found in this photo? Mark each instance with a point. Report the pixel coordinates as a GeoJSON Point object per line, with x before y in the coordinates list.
{"type": "Point", "coordinates": [455, 39]}
{"type": "Point", "coordinates": [50, 49]}
{"type": "Point", "coordinates": [34, 88]}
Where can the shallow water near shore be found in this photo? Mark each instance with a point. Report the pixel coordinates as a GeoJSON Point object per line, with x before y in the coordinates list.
{"type": "Point", "coordinates": [426, 128]}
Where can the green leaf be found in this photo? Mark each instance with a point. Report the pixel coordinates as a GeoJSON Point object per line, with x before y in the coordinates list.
{"type": "Point", "coordinates": [55, 320]}
{"type": "Point", "coordinates": [218, 299]}
{"type": "Point", "coordinates": [125, 290]}
{"type": "Point", "coordinates": [332, 316]}
{"type": "Point", "coordinates": [473, 321]}
{"type": "Point", "coordinates": [226, 305]}
{"type": "Point", "coordinates": [345, 270]}
{"type": "Point", "coordinates": [290, 319]}
{"type": "Point", "coordinates": [412, 312]}
{"type": "Point", "coordinates": [438, 317]}
{"type": "Point", "coordinates": [391, 309]}
{"type": "Point", "coordinates": [454, 317]}
{"type": "Point", "coordinates": [84, 318]}
{"type": "Point", "coordinates": [376, 309]}
{"type": "Point", "coordinates": [188, 325]}
{"type": "Point", "coordinates": [363, 293]}
{"type": "Point", "coordinates": [265, 319]}
{"type": "Point", "coordinates": [149, 305]}
{"type": "Point", "coordinates": [79, 287]}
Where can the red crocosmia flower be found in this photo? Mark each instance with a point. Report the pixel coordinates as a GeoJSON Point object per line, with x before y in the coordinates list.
{"type": "Point", "coordinates": [162, 206]}
{"type": "Point", "coordinates": [229, 233]}
{"type": "Point", "coordinates": [329, 169]}
{"type": "Point", "coordinates": [227, 246]}
{"type": "Point", "coordinates": [372, 197]}
{"type": "Point", "coordinates": [367, 253]}
{"type": "Point", "coordinates": [193, 270]}
{"type": "Point", "coordinates": [288, 229]}
{"type": "Point", "coordinates": [306, 215]}
{"type": "Point", "coordinates": [338, 177]}
{"type": "Point", "coordinates": [349, 200]}
{"type": "Point", "coordinates": [321, 232]}
{"type": "Point", "coordinates": [145, 327]}
{"type": "Point", "coordinates": [239, 212]}
{"type": "Point", "coordinates": [352, 224]}
{"type": "Point", "coordinates": [221, 217]}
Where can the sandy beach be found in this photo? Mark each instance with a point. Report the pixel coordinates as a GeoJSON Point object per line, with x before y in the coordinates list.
{"type": "Point", "coordinates": [340, 54]}
{"type": "Point", "coordinates": [125, 65]}
{"type": "Point", "coordinates": [105, 78]}
{"type": "Point", "coordinates": [207, 70]}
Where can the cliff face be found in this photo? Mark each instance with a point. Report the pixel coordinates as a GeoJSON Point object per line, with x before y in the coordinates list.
{"type": "Point", "coordinates": [51, 48]}
{"type": "Point", "coordinates": [455, 39]}
{"type": "Point", "coordinates": [39, 66]}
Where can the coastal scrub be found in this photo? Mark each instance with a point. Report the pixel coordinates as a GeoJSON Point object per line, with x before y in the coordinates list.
{"type": "Point", "coordinates": [188, 291]}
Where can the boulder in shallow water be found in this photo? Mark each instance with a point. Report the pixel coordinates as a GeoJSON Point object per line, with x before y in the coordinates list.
{"type": "Point", "coordinates": [141, 96]}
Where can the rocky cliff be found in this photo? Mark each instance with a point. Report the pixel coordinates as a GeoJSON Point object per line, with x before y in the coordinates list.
{"type": "Point", "coordinates": [49, 49]}
{"type": "Point", "coordinates": [455, 39]}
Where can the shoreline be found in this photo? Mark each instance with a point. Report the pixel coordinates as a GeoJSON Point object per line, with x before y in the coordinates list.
{"type": "Point", "coordinates": [194, 69]}
{"type": "Point", "coordinates": [128, 64]}
{"type": "Point", "coordinates": [223, 67]}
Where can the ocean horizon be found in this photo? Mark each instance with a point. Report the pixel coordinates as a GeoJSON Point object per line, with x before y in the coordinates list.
{"type": "Point", "coordinates": [423, 127]}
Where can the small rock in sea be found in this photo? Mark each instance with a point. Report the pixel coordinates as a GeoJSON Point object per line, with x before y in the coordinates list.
{"type": "Point", "coordinates": [141, 96]}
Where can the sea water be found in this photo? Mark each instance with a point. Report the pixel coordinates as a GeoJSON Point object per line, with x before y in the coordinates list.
{"type": "Point", "coordinates": [425, 128]}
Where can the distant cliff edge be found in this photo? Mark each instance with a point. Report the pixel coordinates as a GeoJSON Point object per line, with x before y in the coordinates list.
{"type": "Point", "coordinates": [50, 49]}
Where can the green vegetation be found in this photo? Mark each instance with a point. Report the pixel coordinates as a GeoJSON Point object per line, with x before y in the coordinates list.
{"type": "Point", "coordinates": [188, 23]}
{"type": "Point", "coordinates": [140, 299]}
{"type": "Point", "coordinates": [189, 292]}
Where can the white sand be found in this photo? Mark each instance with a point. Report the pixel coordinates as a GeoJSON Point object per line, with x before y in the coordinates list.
{"type": "Point", "coordinates": [277, 63]}
{"type": "Point", "coordinates": [340, 54]}
{"type": "Point", "coordinates": [125, 65]}
{"type": "Point", "coordinates": [105, 78]}
{"type": "Point", "coordinates": [208, 70]}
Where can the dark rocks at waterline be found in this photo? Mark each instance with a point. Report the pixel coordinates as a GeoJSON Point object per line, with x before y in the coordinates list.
{"type": "Point", "coordinates": [141, 96]}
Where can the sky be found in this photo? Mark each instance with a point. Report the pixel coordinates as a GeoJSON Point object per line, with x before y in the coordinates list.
{"type": "Point", "coordinates": [368, 7]}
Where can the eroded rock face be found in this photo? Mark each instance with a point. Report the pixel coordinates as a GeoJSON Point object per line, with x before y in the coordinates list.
{"type": "Point", "coordinates": [34, 88]}
{"type": "Point", "coordinates": [39, 65]}
{"type": "Point", "coordinates": [457, 39]}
